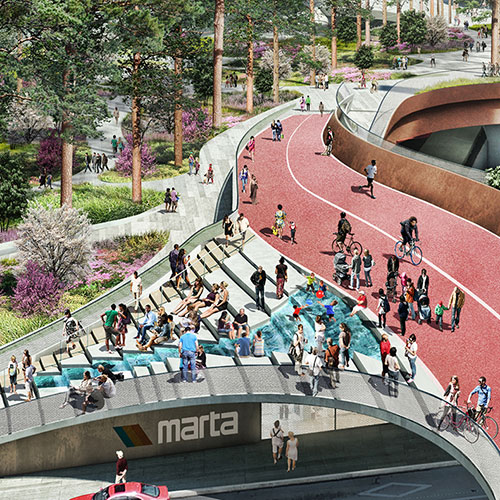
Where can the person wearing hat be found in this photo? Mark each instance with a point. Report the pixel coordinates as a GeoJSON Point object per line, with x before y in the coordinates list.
{"type": "Point", "coordinates": [121, 468]}
{"type": "Point", "coordinates": [439, 311]}
{"type": "Point", "coordinates": [361, 304]}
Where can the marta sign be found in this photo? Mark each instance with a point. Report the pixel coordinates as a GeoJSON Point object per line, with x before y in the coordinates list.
{"type": "Point", "coordinates": [190, 428]}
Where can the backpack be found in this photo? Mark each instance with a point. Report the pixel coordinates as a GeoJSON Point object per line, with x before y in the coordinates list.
{"type": "Point", "coordinates": [386, 305]}
{"type": "Point", "coordinates": [333, 359]}
{"type": "Point", "coordinates": [346, 226]}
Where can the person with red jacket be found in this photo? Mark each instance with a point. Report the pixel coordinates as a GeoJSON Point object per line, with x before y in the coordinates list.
{"type": "Point", "coordinates": [385, 347]}
{"type": "Point", "coordinates": [361, 304]}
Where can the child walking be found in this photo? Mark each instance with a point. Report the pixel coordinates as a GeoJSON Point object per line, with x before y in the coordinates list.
{"type": "Point", "coordinates": [439, 311]}
{"type": "Point", "coordinates": [310, 283]}
{"type": "Point", "coordinates": [293, 228]}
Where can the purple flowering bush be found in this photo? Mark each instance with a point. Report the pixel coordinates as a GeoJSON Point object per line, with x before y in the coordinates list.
{"type": "Point", "coordinates": [37, 292]}
{"type": "Point", "coordinates": [196, 124]}
{"type": "Point", "coordinates": [49, 157]}
{"type": "Point", "coordinates": [124, 161]}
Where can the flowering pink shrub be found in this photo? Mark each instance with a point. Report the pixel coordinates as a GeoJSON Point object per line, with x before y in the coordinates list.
{"type": "Point", "coordinates": [124, 161]}
{"type": "Point", "coordinates": [9, 235]}
{"type": "Point", "coordinates": [351, 74]}
{"type": "Point", "coordinates": [37, 292]}
{"type": "Point", "coordinates": [259, 48]}
{"type": "Point", "coordinates": [196, 123]}
{"type": "Point", "coordinates": [49, 157]}
{"type": "Point", "coordinates": [230, 121]}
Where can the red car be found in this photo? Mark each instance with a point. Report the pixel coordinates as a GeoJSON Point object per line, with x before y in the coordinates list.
{"type": "Point", "coordinates": [128, 491]}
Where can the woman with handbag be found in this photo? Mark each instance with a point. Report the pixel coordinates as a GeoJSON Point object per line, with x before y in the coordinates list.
{"type": "Point", "coordinates": [297, 349]}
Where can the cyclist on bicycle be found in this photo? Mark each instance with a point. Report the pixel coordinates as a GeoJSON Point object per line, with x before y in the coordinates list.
{"type": "Point", "coordinates": [483, 398]}
{"type": "Point", "coordinates": [408, 227]}
{"type": "Point", "coordinates": [343, 229]}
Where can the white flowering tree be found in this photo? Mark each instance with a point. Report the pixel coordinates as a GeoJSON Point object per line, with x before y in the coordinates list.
{"type": "Point", "coordinates": [285, 63]}
{"type": "Point", "coordinates": [323, 61]}
{"type": "Point", "coordinates": [56, 239]}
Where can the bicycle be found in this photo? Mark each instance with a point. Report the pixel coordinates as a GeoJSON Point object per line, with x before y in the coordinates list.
{"type": "Point", "coordinates": [461, 423]}
{"type": "Point", "coordinates": [350, 246]}
{"type": "Point", "coordinates": [489, 424]}
{"type": "Point", "coordinates": [415, 252]}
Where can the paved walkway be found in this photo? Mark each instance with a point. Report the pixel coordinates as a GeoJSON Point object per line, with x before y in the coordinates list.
{"type": "Point", "coordinates": [314, 189]}
{"type": "Point", "coordinates": [323, 453]}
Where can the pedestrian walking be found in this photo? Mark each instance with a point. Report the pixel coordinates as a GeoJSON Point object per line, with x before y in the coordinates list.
{"type": "Point", "coordinates": [120, 145]}
{"type": "Point", "coordinates": [114, 144]}
{"type": "Point", "coordinates": [277, 437]}
{"type": "Point", "coordinates": [411, 353]}
{"type": "Point", "coordinates": [402, 314]}
{"type": "Point", "coordinates": [273, 129]}
{"type": "Point", "coordinates": [319, 335]}
{"type": "Point", "coordinates": [124, 319]}
{"type": "Point", "coordinates": [321, 108]}
{"type": "Point", "coordinates": [355, 270]}
{"type": "Point", "coordinates": [385, 348]}
{"type": "Point", "coordinates": [109, 319]}
{"type": "Point", "coordinates": [302, 103]}
{"type": "Point", "coordinates": [196, 166]}
{"type": "Point", "coordinates": [279, 222]}
{"type": "Point", "coordinates": [228, 227]}
{"type": "Point", "coordinates": [368, 263]}
{"type": "Point", "coordinates": [49, 180]}
{"type": "Point", "coordinates": [292, 450]}
{"type": "Point", "coordinates": [25, 362]}
{"type": "Point", "coordinates": [315, 365]}
{"type": "Point", "coordinates": [136, 289]}
{"type": "Point", "coordinates": [172, 257]}
{"type": "Point", "coordinates": [242, 225]}
{"type": "Point", "coordinates": [181, 268]}
{"type": "Point", "coordinates": [296, 350]}
{"type": "Point", "coordinates": [279, 130]}
{"type": "Point", "coordinates": [116, 115]}
{"type": "Point", "coordinates": [465, 55]}
{"type": "Point", "coordinates": [244, 174]}
{"type": "Point", "coordinates": [371, 171]}
{"type": "Point", "coordinates": [423, 283]}
{"type": "Point", "coordinates": [308, 103]}
{"type": "Point", "coordinates": [451, 395]}
{"type": "Point", "coordinates": [345, 337]}
{"type": "Point", "coordinates": [174, 200]}
{"type": "Point", "coordinates": [121, 463]}
{"type": "Point", "coordinates": [191, 163]}
{"type": "Point", "coordinates": [94, 159]}
{"type": "Point", "coordinates": [209, 176]}
{"type": "Point", "coordinates": [167, 200]}
{"type": "Point", "coordinates": [29, 380]}
{"type": "Point", "coordinates": [98, 163]}
{"type": "Point", "coordinates": [251, 147]}
{"type": "Point", "coordinates": [71, 330]}
{"type": "Point", "coordinates": [439, 312]}
{"type": "Point", "coordinates": [281, 272]}
{"type": "Point", "coordinates": [104, 162]}
{"type": "Point", "coordinates": [383, 307]}
{"type": "Point", "coordinates": [13, 370]}
{"type": "Point", "coordinates": [332, 361]}
{"type": "Point", "coordinates": [293, 232]}
{"type": "Point", "coordinates": [456, 303]}
{"type": "Point", "coordinates": [326, 82]}
{"type": "Point", "coordinates": [328, 142]}
{"type": "Point", "coordinates": [433, 61]}
{"type": "Point", "coordinates": [253, 189]}
{"type": "Point", "coordinates": [410, 297]}
{"type": "Point", "coordinates": [188, 347]}
{"type": "Point", "coordinates": [88, 161]}
{"type": "Point", "coordinates": [393, 369]}
{"type": "Point", "coordinates": [258, 280]}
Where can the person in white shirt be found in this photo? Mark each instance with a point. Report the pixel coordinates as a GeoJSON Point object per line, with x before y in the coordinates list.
{"type": "Point", "coordinates": [411, 353]}
{"type": "Point", "coordinates": [319, 335]}
{"type": "Point", "coordinates": [370, 171]}
{"type": "Point", "coordinates": [277, 437]}
{"type": "Point", "coordinates": [106, 388]}
{"type": "Point", "coordinates": [136, 288]}
{"type": "Point", "coordinates": [84, 389]}
{"type": "Point", "coordinates": [393, 369]}
{"type": "Point", "coordinates": [242, 225]}
{"type": "Point", "coordinates": [315, 364]}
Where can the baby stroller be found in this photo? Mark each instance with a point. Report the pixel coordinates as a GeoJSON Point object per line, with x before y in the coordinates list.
{"type": "Point", "coordinates": [341, 268]}
{"type": "Point", "coordinates": [391, 286]}
{"type": "Point", "coordinates": [424, 309]}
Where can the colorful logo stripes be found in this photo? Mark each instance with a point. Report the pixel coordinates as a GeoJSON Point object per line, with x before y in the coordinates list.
{"type": "Point", "coordinates": [132, 435]}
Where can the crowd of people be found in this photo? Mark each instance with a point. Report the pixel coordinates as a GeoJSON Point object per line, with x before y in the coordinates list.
{"type": "Point", "coordinates": [98, 162]}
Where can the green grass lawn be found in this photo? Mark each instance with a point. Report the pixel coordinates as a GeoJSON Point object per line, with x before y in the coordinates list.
{"type": "Point", "coordinates": [458, 83]}
{"type": "Point", "coordinates": [103, 203]}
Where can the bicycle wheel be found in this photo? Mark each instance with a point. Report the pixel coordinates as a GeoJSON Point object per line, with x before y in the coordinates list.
{"type": "Point", "coordinates": [355, 246]}
{"type": "Point", "coordinates": [336, 247]}
{"type": "Point", "coordinates": [416, 255]}
{"type": "Point", "coordinates": [490, 426]}
{"type": "Point", "coordinates": [442, 420]}
{"type": "Point", "coordinates": [399, 250]}
{"type": "Point", "coordinates": [470, 430]}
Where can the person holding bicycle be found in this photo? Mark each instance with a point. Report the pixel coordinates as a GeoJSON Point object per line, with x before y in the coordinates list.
{"type": "Point", "coordinates": [343, 229]}
{"type": "Point", "coordinates": [483, 392]}
{"type": "Point", "coordinates": [408, 227]}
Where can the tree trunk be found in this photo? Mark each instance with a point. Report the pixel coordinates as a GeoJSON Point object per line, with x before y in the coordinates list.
{"type": "Point", "coordinates": [450, 8]}
{"type": "Point", "coordinates": [218, 51]}
{"type": "Point", "coordinates": [421, 5]}
{"type": "Point", "coordinates": [367, 23]}
{"type": "Point", "coordinates": [334, 38]}
{"type": "Point", "coordinates": [358, 26]}
{"type": "Point", "coordinates": [312, 76]}
{"type": "Point", "coordinates": [66, 170]}
{"type": "Point", "coordinates": [384, 11]}
{"type": "Point", "coordinates": [178, 114]}
{"type": "Point", "coordinates": [431, 8]}
{"type": "Point", "coordinates": [276, 66]}
{"type": "Point", "coordinates": [249, 65]}
{"type": "Point", "coordinates": [495, 14]}
{"type": "Point", "coordinates": [136, 133]}
{"type": "Point", "coordinates": [438, 10]}
{"type": "Point", "coordinates": [398, 20]}
{"type": "Point", "coordinates": [411, 5]}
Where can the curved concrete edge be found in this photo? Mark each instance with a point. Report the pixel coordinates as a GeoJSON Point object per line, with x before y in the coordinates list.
{"type": "Point", "coordinates": [492, 490]}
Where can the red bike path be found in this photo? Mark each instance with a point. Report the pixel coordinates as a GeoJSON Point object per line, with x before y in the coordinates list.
{"type": "Point", "coordinates": [313, 189]}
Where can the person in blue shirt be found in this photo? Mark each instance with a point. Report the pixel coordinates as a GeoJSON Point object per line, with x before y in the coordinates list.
{"type": "Point", "coordinates": [188, 347]}
{"type": "Point", "coordinates": [147, 324]}
{"type": "Point", "coordinates": [329, 309]}
{"type": "Point", "coordinates": [243, 345]}
{"type": "Point", "coordinates": [483, 397]}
